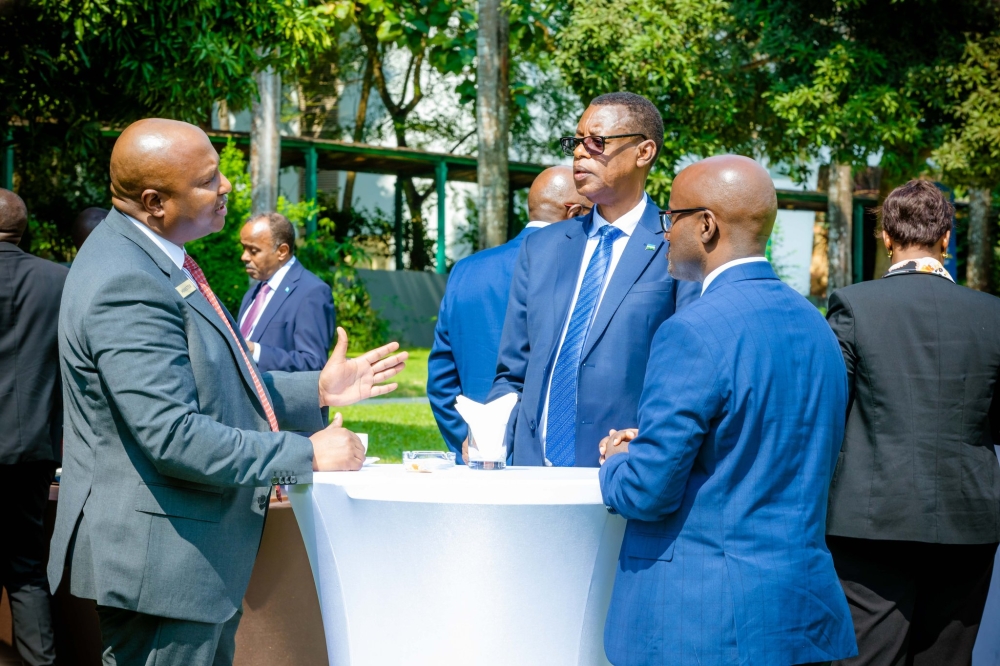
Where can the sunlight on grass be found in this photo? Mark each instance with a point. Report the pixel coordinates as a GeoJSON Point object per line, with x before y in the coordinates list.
{"type": "Point", "coordinates": [395, 428]}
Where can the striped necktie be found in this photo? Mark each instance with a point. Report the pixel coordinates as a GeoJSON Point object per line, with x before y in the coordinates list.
{"type": "Point", "coordinates": [560, 431]}
{"type": "Point", "coordinates": [206, 291]}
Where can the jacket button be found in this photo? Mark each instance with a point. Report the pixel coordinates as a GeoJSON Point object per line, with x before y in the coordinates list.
{"type": "Point", "coordinates": [274, 480]}
{"type": "Point", "coordinates": [292, 480]}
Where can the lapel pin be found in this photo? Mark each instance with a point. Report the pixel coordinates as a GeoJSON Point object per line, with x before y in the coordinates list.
{"type": "Point", "coordinates": [650, 247]}
{"type": "Point", "coordinates": [286, 290]}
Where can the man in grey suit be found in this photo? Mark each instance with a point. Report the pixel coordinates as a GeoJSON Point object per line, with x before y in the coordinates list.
{"type": "Point", "coordinates": [173, 437]}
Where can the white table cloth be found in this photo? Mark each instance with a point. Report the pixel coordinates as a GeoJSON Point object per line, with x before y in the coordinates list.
{"type": "Point", "coordinates": [462, 566]}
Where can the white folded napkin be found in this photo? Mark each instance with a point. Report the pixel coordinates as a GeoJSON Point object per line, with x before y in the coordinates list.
{"type": "Point", "coordinates": [487, 424]}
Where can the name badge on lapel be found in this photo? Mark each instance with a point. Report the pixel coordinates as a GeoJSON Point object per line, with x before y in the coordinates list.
{"type": "Point", "coordinates": [186, 288]}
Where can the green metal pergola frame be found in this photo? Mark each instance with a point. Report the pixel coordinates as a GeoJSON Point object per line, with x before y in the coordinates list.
{"type": "Point", "coordinates": [315, 154]}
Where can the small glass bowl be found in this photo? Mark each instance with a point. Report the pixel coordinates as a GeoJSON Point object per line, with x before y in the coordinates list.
{"type": "Point", "coordinates": [428, 461]}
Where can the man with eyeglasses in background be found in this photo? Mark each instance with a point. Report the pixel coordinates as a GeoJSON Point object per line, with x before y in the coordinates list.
{"type": "Point", "coordinates": [463, 360]}
{"type": "Point", "coordinates": [588, 295]}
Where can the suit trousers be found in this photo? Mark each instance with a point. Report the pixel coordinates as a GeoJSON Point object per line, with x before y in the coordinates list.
{"type": "Point", "coordinates": [913, 603]}
{"type": "Point", "coordinates": [136, 639]}
{"type": "Point", "coordinates": [23, 556]}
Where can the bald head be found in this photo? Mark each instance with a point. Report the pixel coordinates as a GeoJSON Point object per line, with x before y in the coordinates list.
{"type": "Point", "coordinates": [553, 196]}
{"type": "Point", "coordinates": [165, 173]}
{"type": "Point", "coordinates": [13, 217]}
{"type": "Point", "coordinates": [86, 222]}
{"type": "Point", "coordinates": [741, 204]}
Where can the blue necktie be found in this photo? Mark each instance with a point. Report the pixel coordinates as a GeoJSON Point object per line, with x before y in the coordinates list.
{"type": "Point", "coordinates": [560, 433]}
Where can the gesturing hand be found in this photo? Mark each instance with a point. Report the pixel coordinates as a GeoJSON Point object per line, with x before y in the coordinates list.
{"type": "Point", "coordinates": [345, 381]}
{"type": "Point", "coordinates": [616, 442]}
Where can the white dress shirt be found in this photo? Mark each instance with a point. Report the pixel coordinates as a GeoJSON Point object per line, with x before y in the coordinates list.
{"type": "Point", "coordinates": [274, 282]}
{"type": "Point", "coordinates": [627, 223]}
{"type": "Point", "coordinates": [174, 251]}
{"type": "Point", "coordinates": [729, 264]}
{"type": "Point", "coordinates": [536, 224]}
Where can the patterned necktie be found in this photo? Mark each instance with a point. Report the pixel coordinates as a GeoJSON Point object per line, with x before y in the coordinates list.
{"type": "Point", "coordinates": [258, 304]}
{"type": "Point", "coordinates": [206, 291]}
{"type": "Point", "coordinates": [560, 433]}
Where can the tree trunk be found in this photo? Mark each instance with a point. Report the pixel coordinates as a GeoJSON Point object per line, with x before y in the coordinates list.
{"type": "Point", "coordinates": [979, 266]}
{"type": "Point", "coordinates": [359, 131]}
{"type": "Point", "coordinates": [491, 123]}
{"type": "Point", "coordinates": [265, 143]}
{"type": "Point", "coordinates": [420, 254]}
{"type": "Point", "coordinates": [223, 115]}
{"type": "Point", "coordinates": [840, 210]}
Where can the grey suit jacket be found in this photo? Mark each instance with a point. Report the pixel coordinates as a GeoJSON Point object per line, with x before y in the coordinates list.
{"type": "Point", "coordinates": [168, 458]}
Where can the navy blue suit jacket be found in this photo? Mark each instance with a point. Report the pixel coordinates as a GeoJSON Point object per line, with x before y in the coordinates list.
{"type": "Point", "coordinates": [298, 325]}
{"type": "Point", "coordinates": [463, 360]}
{"type": "Point", "coordinates": [640, 296]}
{"type": "Point", "coordinates": [725, 488]}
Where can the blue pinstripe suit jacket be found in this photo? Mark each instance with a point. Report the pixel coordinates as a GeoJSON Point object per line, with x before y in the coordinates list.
{"type": "Point", "coordinates": [463, 360]}
{"type": "Point", "coordinates": [741, 418]}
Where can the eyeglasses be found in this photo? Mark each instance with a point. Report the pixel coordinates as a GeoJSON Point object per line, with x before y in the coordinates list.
{"type": "Point", "coordinates": [665, 217]}
{"type": "Point", "coordinates": [593, 144]}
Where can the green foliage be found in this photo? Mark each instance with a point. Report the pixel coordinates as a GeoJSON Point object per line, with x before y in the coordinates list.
{"type": "Point", "coordinates": [77, 61]}
{"type": "Point", "coordinates": [970, 153]}
{"type": "Point", "coordinates": [45, 241]}
{"type": "Point", "coordinates": [219, 254]}
{"type": "Point", "coordinates": [335, 263]}
{"type": "Point", "coordinates": [686, 56]}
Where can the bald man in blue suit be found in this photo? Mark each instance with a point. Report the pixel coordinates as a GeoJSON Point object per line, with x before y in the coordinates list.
{"type": "Point", "coordinates": [725, 481]}
{"type": "Point", "coordinates": [463, 360]}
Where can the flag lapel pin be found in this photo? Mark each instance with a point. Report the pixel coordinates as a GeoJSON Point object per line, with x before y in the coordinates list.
{"type": "Point", "coordinates": [650, 246]}
{"type": "Point", "coordinates": [286, 290]}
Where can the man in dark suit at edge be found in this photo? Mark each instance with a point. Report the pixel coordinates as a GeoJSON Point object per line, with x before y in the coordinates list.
{"type": "Point", "coordinates": [173, 436]}
{"type": "Point", "coordinates": [31, 437]}
{"type": "Point", "coordinates": [463, 360]}
{"type": "Point", "coordinates": [288, 317]}
{"type": "Point", "coordinates": [588, 294]}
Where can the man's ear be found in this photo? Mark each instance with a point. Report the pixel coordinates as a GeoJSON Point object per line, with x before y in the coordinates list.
{"type": "Point", "coordinates": [709, 228]}
{"type": "Point", "coordinates": [284, 251]}
{"type": "Point", "coordinates": [152, 202]}
{"type": "Point", "coordinates": [573, 210]}
{"type": "Point", "coordinates": [645, 154]}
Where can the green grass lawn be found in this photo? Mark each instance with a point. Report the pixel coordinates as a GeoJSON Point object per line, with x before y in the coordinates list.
{"type": "Point", "coordinates": [412, 381]}
{"type": "Point", "coordinates": [395, 428]}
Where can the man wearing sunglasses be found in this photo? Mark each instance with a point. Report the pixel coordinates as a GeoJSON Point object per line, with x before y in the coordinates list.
{"type": "Point", "coordinates": [725, 481]}
{"type": "Point", "coordinates": [587, 295]}
{"type": "Point", "coordinates": [463, 360]}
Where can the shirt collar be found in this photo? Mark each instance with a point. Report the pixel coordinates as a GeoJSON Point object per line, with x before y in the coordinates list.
{"type": "Point", "coordinates": [275, 280]}
{"type": "Point", "coordinates": [536, 224]}
{"type": "Point", "coordinates": [172, 250]}
{"type": "Point", "coordinates": [627, 222]}
{"type": "Point", "coordinates": [729, 264]}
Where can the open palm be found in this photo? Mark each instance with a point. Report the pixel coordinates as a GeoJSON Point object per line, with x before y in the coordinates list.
{"type": "Point", "coordinates": [345, 381]}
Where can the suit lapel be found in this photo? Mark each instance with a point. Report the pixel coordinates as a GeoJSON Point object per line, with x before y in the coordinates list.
{"type": "Point", "coordinates": [201, 305]}
{"type": "Point", "coordinates": [285, 290]}
{"type": "Point", "coordinates": [633, 262]}
{"type": "Point", "coordinates": [567, 265]}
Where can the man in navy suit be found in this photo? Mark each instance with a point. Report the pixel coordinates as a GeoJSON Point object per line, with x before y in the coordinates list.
{"type": "Point", "coordinates": [725, 483]}
{"type": "Point", "coordinates": [288, 318]}
{"type": "Point", "coordinates": [463, 360]}
{"type": "Point", "coordinates": [588, 294]}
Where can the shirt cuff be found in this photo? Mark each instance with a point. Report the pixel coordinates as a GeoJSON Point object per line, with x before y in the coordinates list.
{"type": "Point", "coordinates": [256, 352]}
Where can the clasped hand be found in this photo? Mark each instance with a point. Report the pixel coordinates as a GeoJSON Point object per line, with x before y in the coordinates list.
{"type": "Point", "coordinates": [345, 381]}
{"type": "Point", "coordinates": [616, 442]}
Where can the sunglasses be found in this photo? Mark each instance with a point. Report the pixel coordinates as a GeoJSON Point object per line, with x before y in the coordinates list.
{"type": "Point", "coordinates": [592, 144]}
{"type": "Point", "coordinates": [666, 217]}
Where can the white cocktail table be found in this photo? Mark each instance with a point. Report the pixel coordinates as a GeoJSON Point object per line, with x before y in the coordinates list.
{"type": "Point", "coordinates": [510, 567]}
